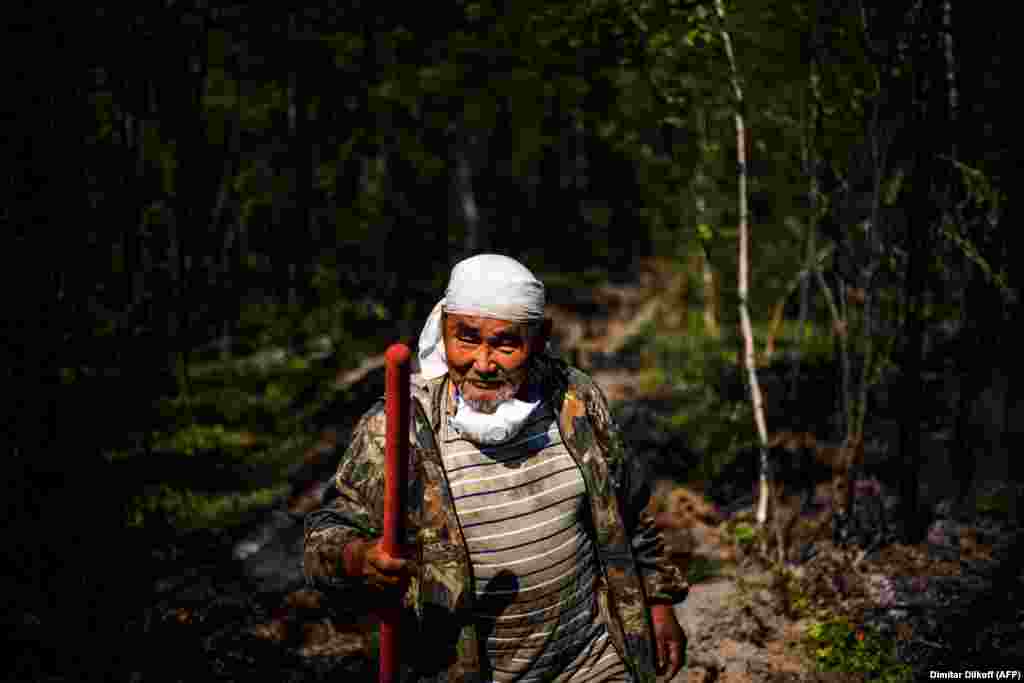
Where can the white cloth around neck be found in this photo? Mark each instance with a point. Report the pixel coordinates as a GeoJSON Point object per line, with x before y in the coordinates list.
{"type": "Point", "coordinates": [488, 286]}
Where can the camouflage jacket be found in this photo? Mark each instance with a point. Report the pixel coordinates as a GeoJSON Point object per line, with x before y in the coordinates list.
{"type": "Point", "coordinates": [634, 569]}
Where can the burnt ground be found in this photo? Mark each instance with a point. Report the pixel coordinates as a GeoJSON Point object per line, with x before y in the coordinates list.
{"type": "Point", "coordinates": [229, 605]}
{"type": "Point", "coordinates": [951, 603]}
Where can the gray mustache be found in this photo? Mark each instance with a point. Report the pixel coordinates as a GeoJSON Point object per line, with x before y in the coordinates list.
{"type": "Point", "coordinates": [503, 379]}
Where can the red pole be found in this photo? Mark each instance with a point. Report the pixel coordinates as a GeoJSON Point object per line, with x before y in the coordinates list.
{"type": "Point", "coordinates": [396, 467]}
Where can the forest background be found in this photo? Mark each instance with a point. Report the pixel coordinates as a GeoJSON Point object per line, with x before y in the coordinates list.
{"type": "Point", "coordinates": [215, 207]}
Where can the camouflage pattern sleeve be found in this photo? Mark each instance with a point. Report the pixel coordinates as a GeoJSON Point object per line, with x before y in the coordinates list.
{"type": "Point", "coordinates": [356, 513]}
{"type": "Point", "coordinates": [663, 581]}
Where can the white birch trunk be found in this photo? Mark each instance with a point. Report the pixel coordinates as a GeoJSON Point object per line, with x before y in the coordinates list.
{"type": "Point", "coordinates": [466, 199]}
{"type": "Point", "coordinates": [744, 259]}
{"type": "Point", "coordinates": [954, 96]}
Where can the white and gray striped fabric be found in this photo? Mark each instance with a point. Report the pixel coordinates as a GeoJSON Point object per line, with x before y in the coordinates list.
{"type": "Point", "coordinates": [523, 509]}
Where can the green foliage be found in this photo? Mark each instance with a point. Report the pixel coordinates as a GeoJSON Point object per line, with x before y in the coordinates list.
{"type": "Point", "coordinates": [745, 534]}
{"type": "Point", "coordinates": [984, 197]}
{"type": "Point", "coordinates": [268, 324]}
{"type": "Point", "coordinates": [799, 604]}
{"type": "Point", "coordinates": [996, 504]}
{"type": "Point", "coordinates": [702, 568]}
{"type": "Point", "coordinates": [692, 363]}
{"type": "Point", "coordinates": [836, 645]}
{"type": "Point", "coordinates": [788, 585]}
{"type": "Point", "coordinates": [250, 390]}
{"type": "Point", "coordinates": [186, 509]}
{"type": "Point", "coordinates": [276, 395]}
{"type": "Point", "coordinates": [197, 438]}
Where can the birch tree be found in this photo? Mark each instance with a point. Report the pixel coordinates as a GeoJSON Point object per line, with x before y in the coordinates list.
{"type": "Point", "coordinates": [744, 265]}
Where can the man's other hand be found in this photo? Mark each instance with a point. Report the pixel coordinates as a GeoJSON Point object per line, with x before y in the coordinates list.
{"type": "Point", "coordinates": [669, 640]}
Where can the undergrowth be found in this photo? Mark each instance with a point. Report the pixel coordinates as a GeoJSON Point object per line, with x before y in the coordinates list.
{"type": "Point", "coordinates": [247, 414]}
{"type": "Point", "coordinates": [998, 504]}
{"type": "Point", "coordinates": [702, 569]}
{"type": "Point", "coordinates": [716, 420]}
{"type": "Point", "coordinates": [836, 645]}
{"type": "Point", "coordinates": [188, 510]}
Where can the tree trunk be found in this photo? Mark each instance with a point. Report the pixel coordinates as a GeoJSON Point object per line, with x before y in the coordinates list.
{"type": "Point", "coordinates": [231, 226]}
{"type": "Point", "coordinates": [971, 383]}
{"type": "Point", "coordinates": [919, 239]}
{"type": "Point", "coordinates": [952, 93]}
{"type": "Point", "coordinates": [744, 263]}
{"type": "Point", "coordinates": [42, 185]}
{"type": "Point", "coordinates": [706, 272]}
{"type": "Point", "coordinates": [912, 386]}
{"type": "Point", "coordinates": [811, 135]}
{"type": "Point", "coordinates": [189, 223]}
{"type": "Point", "coordinates": [465, 197]}
{"type": "Point", "coordinates": [711, 297]}
{"type": "Point", "coordinates": [303, 143]}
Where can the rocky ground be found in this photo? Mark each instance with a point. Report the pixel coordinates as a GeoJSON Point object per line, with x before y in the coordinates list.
{"type": "Point", "coordinates": [952, 603]}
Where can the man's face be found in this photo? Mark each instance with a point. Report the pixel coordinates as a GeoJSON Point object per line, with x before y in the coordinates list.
{"type": "Point", "coordinates": [487, 358]}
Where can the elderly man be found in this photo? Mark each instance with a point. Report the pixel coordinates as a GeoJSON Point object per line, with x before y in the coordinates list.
{"type": "Point", "coordinates": [532, 553]}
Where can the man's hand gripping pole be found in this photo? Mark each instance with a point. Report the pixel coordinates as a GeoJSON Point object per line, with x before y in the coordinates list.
{"type": "Point", "coordinates": [396, 468]}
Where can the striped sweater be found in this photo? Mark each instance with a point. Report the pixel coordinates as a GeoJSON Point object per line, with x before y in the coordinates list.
{"type": "Point", "coordinates": [523, 510]}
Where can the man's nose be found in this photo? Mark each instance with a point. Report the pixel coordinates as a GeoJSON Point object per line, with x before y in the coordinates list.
{"type": "Point", "coordinates": [483, 360]}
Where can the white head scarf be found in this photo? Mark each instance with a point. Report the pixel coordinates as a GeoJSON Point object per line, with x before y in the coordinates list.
{"type": "Point", "coordinates": [488, 286]}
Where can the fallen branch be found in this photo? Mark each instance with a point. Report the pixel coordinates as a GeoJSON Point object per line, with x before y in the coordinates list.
{"type": "Point", "coordinates": [346, 379]}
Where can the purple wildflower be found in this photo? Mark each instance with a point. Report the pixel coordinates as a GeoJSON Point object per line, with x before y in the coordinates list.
{"type": "Point", "coordinates": [936, 534]}
{"type": "Point", "coordinates": [885, 591]}
{"type": "Point", "coordinates": [868, 487]}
